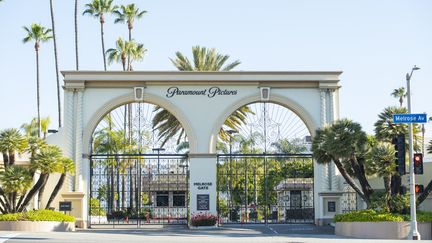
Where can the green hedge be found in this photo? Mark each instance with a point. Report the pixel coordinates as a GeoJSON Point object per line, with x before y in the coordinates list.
{"type": "Point", "coordinates": [37, 215]}
{"type": "Point", "coordinates": [374, 216]}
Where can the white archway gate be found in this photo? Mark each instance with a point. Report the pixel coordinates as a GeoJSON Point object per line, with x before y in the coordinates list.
{"type": "Point", "coordinates": [201, 101]}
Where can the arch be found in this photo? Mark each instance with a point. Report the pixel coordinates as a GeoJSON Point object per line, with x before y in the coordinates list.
{"type": "Point", "coordinates": [128, 98]}
{"type": "Point", "coordinates": [302, 113]}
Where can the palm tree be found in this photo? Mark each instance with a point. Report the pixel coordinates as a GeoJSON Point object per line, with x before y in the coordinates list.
{"type": "Point", "coordinates": [67, 166]}
{"type": "Point", "coordinates": [120, 53]}
{"type": "Point", "coordinates": [137, 53]}
{"type": "Point", "coordinates": [46, 161]}
{"type": "Point", "coordinates": [330, 144]}
{"type": "Point", "coordinates": [98, 9]}
{"type": "Point", "coordinates": [31, 129]}
{"type": "Point", "coordinates": [76, 35]}
{"type": "Point", "coordinates": [128, 14]}
{"type": "Point", "coordinates": [285, 146]}
{"type": "Point", "coordinates": [38, 34]}
{"type": "Point", "coordinates": [203, 60]}
{"type": "Point", "coordinates": [15, 181]}
{"type": "Point", "coordinates": [11, 142]}
{"type": "Point", "coordinates": [399, 93]}
{"type": "Point", "coordinates": [380, 161]}
{"type": "Point", "coordinates": [56, 63]}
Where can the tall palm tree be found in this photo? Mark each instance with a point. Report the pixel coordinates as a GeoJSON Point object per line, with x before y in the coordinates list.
{"type": "Point", "coordinates": [38, 34]}
{"type": "Point", "coordinates": [98, 9]}
{"type": "Point", "coordinates": [66, 166]}
{"type": "Point", "coordinates": [56, 63]}
{"type": "Point", "coordinates": [203, 60]}
{"type": "Point", "coordinates": [399, 93]}
{"type": "Point", "coordinates": [128, 14]}
{"type": "Point", "coordinates": [76, 35]}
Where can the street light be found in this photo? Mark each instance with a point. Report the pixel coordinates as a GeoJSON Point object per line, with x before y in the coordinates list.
{"type": "Point", "coordinates": [414, 231]}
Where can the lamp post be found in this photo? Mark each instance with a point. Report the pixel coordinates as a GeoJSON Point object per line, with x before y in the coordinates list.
{"type": "Point", "coordinates": [414, 231]}
{"type": "Point", "coordinates": [231, 132]}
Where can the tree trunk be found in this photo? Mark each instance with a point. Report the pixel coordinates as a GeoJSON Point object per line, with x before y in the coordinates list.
{"type": "Point", "coordinates": [56, 63]}
{"type": "Point", "coordinates": [425, 193]}
{"type": "Point", "coordinates": [361, 176]}
{"type": "Point", "coordinates": [112, 188]}
{"type": "Point", "coordinates": [396, 182]}
{"type": "Point", "coordinates": [56, 190]}
{"type": "Point", "coordinates": [387, 184]}
{"type": "Point", "coordinates": [129, 57]}
{"type": "Point", "coordinates": [37, 93]}
{"type": "Point", "coordinates": [41, 191]}
{"type": "Point", "coordinates": [102, 39]}
{"type": "Point", "coordinates": [41, 181]}
{"type": "Point", "coordinates": [351, 181]}
{"type": "Point", "coordinates": [5, 159]}
{"type": "Point", "coordinates": [76, 35]}
{"type": "Point", "coordinates": [11, 154]}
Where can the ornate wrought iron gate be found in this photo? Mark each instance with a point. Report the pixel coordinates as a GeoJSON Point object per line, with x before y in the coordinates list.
{"type": "Point", "coordinates": [265, 188]}
{"type": "Point", "coordinates": [139, 189]}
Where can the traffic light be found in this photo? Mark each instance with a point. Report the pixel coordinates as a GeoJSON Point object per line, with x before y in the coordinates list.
{"type": "Point", "coordinates": [418, 163]}
{"type": "Point", "coordinates": [399, 143]}
{"type": "Point", "coordinates": [419, 188]}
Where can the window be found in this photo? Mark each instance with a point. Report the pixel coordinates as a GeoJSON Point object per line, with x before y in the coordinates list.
{"type": "Point", "coordinates": [162, 199]}
{"type": "Point", "coordinates": [179, 199]}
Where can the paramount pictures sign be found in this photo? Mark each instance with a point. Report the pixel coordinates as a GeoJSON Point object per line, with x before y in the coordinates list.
{"type": "Point", "coordinates": [210, 92]}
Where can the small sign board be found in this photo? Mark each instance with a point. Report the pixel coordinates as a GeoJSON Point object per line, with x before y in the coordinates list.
{"type": "Point", "coordinates": [331, 206]}
{"type": "Point", "coordinates": [65, 206]}
{"type": "Point", "coordinates": [410, 118]}
{"type": "Point", "coordinates": [203, 202]}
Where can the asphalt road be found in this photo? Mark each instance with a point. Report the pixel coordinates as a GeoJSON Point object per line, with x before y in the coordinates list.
{"type": "Point", "coordinates": [181, 234]}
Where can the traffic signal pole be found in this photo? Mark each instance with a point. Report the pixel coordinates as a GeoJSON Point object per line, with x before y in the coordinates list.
{"type": "Point", "coordinates": [414, 231]}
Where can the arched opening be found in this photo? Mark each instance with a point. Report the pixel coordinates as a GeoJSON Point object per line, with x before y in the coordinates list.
{"type": "Point", "coordinates": [265, 168]}
{"type": "Point", "coordinates": [139, 167]}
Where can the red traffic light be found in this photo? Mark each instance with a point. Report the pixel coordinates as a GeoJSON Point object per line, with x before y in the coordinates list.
{"type": "Point", "coordinates": [418, 163]}
{"type": "Point", "coordinates": [419, 188]}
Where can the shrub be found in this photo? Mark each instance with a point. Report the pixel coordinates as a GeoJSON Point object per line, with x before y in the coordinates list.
{"type": "Point", "coordinates": [369, 216]}
{"type": "Point", "coordinates": [37, 215]}
{"type": "Point", "coordinates": [374, 216]}
{"type": "Point", "coordinates": [424, 216]}
{"type": "Point", "coordinates": [203, 219]}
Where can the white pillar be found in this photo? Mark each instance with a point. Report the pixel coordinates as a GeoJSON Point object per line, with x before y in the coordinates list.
{"type": "Point", "coordinates": [202, 183]}
{"type": "Point", "coordinates": [333, 178]}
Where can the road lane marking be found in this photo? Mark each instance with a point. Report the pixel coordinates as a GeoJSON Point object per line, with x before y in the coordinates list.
{"type": "Point", "coordinates": [274, 231]}
{"type": "Point", "coordinates": [4, 238]}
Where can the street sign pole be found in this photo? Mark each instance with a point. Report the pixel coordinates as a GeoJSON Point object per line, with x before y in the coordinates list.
{"type": "Point", "coordinates": [414, 231]}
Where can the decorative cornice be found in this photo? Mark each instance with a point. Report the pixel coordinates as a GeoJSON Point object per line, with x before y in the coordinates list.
{"type": "Point", "coordinates": [315, 79]}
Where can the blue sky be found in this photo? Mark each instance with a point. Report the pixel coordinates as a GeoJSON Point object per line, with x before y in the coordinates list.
{"type": "Point", "coordinates": [373, 42]}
